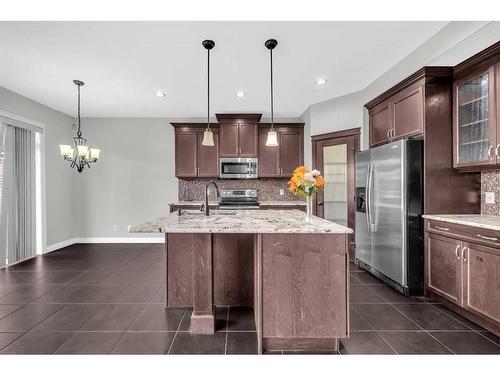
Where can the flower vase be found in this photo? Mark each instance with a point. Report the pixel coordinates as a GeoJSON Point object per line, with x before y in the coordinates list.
{"type": "Point", "coordinates": [309, 206]}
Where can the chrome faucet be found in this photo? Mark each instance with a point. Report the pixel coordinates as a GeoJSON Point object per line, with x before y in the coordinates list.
{"type": "Point", "coordinates": [205, 207]}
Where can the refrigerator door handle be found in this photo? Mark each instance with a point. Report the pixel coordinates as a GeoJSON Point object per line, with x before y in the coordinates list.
{"type": "Point", "coordinates": [367, 198]}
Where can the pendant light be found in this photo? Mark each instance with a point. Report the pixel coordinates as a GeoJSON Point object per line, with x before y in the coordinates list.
{"type": "Point", "coordinates": [272, 136]}
{"type": "Point", "coordinates": [208, 135]}
{"type": "Point", "coordinates": [80, 154]}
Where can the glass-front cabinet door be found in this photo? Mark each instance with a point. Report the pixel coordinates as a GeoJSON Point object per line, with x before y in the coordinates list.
{"type": "Point", "coordinates": [475, 125]}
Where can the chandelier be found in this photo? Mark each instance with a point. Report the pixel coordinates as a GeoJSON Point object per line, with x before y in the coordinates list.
{"type": "Point", "coordinates": [79, 155]}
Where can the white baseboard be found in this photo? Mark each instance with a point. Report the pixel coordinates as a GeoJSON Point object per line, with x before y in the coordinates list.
{"type": "Point", "coordinates": [72, 241]}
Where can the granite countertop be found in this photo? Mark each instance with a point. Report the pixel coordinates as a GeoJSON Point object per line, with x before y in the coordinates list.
{"type": "Point", "coordinates": [480, 221]}
{"type": "Point", "coordinates": [244, 221]}
{"type": "Point", "coordinates": [262, 203]}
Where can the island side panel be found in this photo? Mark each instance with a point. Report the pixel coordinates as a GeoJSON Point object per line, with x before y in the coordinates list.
{"type": "Point", "coordinates": [179, 258]}
{"type": "Point", "coordinates": [304, 291]}
{"type": "Point", "coordinates": [202, 319]}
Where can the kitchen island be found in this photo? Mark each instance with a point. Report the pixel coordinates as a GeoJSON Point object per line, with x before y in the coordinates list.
{"type": "Point", "coordinates": [295, 275]}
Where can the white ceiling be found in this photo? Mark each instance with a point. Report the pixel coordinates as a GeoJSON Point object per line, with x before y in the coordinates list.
{"type": "Point", "coordinates": [124, 63]}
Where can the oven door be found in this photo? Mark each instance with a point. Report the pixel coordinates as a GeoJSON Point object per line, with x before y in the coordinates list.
{"type": "Point", "coordinates": [238, 168]}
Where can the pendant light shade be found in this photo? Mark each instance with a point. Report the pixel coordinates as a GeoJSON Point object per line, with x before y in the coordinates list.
{"type": "Point", "coordinates": [272, 138]}
{"type": "Point", "coordinates": [208, 135]}
{"type": "Point", "coordinates": [272, 135]}
{"type": "Point", "coordinates": [208, 138]}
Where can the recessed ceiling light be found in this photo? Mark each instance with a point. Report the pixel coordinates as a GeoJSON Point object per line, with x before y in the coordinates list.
{"type": "Point", "coordinates": [161, 94]}
{"type": "Point", "coordinates": [321, 82]}
{"type": "Point", "coordinates": [240, 94]}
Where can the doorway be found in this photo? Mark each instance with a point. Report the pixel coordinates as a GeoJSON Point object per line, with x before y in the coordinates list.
{"type": "Point", "coordinates": [334, 154]}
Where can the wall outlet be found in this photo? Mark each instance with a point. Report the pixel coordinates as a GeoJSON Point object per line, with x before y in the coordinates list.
{"type": "Point", "coordinates": [282, 192]}
{"type": "Point", "coordinates": [489, 197]}
{"type": "Point", "coordinates": [115, 228]}
{"type": "Point", "coordinates": [128, 228]}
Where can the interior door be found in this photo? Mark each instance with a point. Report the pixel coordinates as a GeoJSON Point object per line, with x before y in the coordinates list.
{"type": "Point", "coordinates": [335, 158]}
{"type": "Point", "coordinates": [387, 208]}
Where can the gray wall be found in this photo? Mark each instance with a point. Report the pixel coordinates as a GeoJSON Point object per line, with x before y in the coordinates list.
{"type": "Point", "coordinates": [60, 211]}
{"type": "Point", "coordinates": [134, 181]}
{"type": "Point", "coordinates": [451, 45]}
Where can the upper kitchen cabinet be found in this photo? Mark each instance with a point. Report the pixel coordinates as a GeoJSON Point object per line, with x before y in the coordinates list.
{"type": "Point", "coordinates": [380, 124]}
{"type": "Point", "coordinates": [281, 160]}
{"type": "Point", "coordinates": [192, 159]}
{"type": "Point", "coordinates": [238, 135]}
{"type": "Point", "coordinates": [476, 103]}
{"type": "Point", "coordinates": [421, 106]}
{"type": "Point", "coordinates": [400, 112]}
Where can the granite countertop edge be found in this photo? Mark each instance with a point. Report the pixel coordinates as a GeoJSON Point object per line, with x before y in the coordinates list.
{"type": "Point", "coordinates": [491, 222]}
{"type": "Point", "coordinates": [262, 203]}
{"type": "Point", "coordinates": [251, 221]}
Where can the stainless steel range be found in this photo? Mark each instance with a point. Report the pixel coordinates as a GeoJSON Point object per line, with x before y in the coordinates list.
{"type": "Point", "coordinates": [240, 199]}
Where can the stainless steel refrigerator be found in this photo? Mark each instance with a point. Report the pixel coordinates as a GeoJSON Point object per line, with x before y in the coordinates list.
{"type": "Point", "coordinates": [389, 205]}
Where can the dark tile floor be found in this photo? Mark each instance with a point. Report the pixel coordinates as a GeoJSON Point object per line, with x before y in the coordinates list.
{"type": "Point", "coordinates": [109, 299]}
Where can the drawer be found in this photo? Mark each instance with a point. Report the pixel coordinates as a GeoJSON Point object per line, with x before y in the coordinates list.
{"type": "Point", "coordinates": [468, 233]}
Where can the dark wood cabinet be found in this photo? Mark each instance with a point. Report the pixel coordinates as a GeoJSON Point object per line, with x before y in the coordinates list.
{"type": "Point", "coordinates": [192, 159]}
{"type": "Point", "coordinates": [482, 277]}
{"type": "Point", "coordinates": [408, 113]}
{"type": "Point", "coordinates": [238, 135]}
{"type": "Point", "coordinates": [292, 151]}
{"type": "Point", "coordinates": [399, 116]}
{"type": "Point", "coordinates": [421, 106]}
{"type": "Point", "coordinates": [380, 124]}
{"type": "Point", "coordinates": [269, 157]}
{"type": "Point", "coordinates": [462, 264]}
{"type": "Point", "coordinates": [476, 111]}
{"type": "Point", "coordinates": [208, 157]}
{"type": "Point", "coordinates": [281, 160]}
{"type": "Point", "coordinates": [186, 154]}
{"type": "Point", "coordinates": [247, 140]}
{"type": "Point", "coordinates": [444, 267]}
{"type": "Point", "coordinates": [230, 140]}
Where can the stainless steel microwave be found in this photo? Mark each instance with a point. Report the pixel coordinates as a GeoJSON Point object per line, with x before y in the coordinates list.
{"type": "Point", "coordinates": [239, 168]}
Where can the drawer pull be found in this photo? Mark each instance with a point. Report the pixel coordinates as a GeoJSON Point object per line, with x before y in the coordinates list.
{"type": "Point", "coordinates": [442, 228]}
{"type": "Point", "coordinates": [456, 251]}
{"type": "Point", "coordinates": [487, 238]}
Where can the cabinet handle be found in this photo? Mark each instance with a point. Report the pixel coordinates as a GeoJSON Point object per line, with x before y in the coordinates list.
{"type": "Point", "coordinates": [489, 152]}
{"type": "Point", "coordinates": [463, 254]}
{"type": "Point", "coordinates": [496, 151]}
{"type": "Point", "coordinates": [442, 228]}
{"type": "Point", "coordinates": [392, 133]}
{"type": "Point", "coordinates": [456, 251]}
{"type": "Point", "coordinates": [487, 238]}
{"type": "Point", "coordinates": [388, 132]}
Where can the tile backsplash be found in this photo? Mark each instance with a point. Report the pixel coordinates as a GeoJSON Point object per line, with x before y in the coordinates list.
{"type": "Point", "coordinates": [268, 189]}
{"type": "Point", "coordinates": [490, 182]}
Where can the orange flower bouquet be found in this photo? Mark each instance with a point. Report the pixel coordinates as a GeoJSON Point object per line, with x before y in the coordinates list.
{"type": "Point", "coordinates": [305, 183]}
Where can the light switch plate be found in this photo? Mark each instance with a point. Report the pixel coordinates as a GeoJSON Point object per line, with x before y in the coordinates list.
{"type": "Point", "coordinates": [489, 197]}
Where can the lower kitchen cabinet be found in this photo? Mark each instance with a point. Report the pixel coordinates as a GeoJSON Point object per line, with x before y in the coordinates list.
{"type": "Point", "coordinates": [463, 267]}
{"type": "Point", "coordinates": [482, 277]}
{"type": "Point", "coordinates": [444, 266]}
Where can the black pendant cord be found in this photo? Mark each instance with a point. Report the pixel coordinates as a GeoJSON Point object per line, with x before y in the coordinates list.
{"type": "Point", "coordinates": [208, 89]}
{"type": "Point", "coordinates": [272, 92]}
{"type": "Point", "coordinates": [79, 133]}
